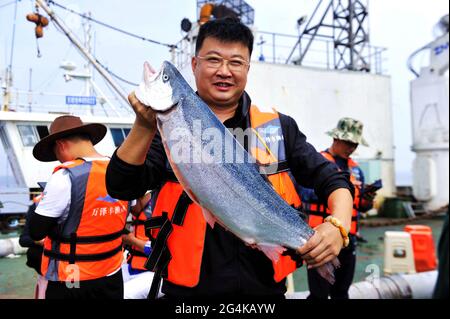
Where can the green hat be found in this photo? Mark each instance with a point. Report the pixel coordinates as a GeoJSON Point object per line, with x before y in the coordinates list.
{"type": "Point", "coordinates": [350, 130]}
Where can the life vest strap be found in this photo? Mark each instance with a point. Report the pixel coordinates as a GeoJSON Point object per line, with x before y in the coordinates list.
{"type": "Point", "coordinates": [87, 239]}
{"type": "Point", "coordinates": [160, 243]}
{"type": "Point", "coordinates": [84, 257]}
{"type": "Point", "coordinates": [274, 168]}
{"type": "Point", "coordinates": [138, 222]}
{"type": "Point", "coordinates": [180, 210]}
{"type": "Point", "coordinates": [160, 256]}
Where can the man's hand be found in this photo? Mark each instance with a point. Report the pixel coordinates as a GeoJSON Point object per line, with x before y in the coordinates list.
{"type": "Point", "coordinates": [128, 239]}
{"type": "Point", "coordinates": [366, 202]}
{"type": "Point", "coordinates": [145, 116]}
{"type": "Point", "coordinates": [135, 147]}
{"type": "Point", "coordinates": [40, 242]}
{"type": "Point", "coordinates": [323, 246]}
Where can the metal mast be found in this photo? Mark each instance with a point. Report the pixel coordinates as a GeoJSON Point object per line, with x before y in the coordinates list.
{"type": "Point", "coordinates": [83, 51]}
{"type": "Point", "coordinates": [346, 23]}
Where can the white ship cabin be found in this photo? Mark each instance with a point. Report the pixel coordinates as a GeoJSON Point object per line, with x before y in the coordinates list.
{"type": "Point", "coordinates": [22, 126]}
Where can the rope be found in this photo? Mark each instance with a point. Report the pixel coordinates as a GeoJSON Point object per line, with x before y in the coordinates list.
{"type": "Point", "coordinates": [112, 27]}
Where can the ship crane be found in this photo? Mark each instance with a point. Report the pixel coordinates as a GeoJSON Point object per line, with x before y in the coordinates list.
{"type": "Point", "coordinates": [430, 122]}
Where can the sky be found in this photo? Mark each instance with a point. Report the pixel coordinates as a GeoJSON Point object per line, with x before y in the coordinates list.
{"type": "Point", "coordinates": [402, 26]}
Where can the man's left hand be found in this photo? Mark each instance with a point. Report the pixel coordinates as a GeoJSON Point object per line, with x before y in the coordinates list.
{"type": "Point", "coordinates": [323, 246]}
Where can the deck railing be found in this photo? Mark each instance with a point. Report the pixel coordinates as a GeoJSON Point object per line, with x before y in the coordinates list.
{"type": "Point", "coordinates": [44, 102]}
{"type": "Point", "coordinates": [276, 48]}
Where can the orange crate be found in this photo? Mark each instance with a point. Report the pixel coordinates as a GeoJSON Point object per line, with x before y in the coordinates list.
{"type": "Point", "coordinates": [423, 246]}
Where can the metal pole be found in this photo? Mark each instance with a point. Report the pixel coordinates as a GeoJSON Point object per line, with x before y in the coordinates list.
{"type": "Point", "coordinates": [328, 54]}
{"type": "Point", "coordinates": [351, 14]}
{"type": "Point", "coordinates": [273, 47]}
{"type": "Point", "coordinates": [80, 47]}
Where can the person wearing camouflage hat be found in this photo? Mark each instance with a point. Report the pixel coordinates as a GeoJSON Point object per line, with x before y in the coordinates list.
{"type": "Point", "coordinates": [347, 136]}
{"type": "Point", "coordinates": [350, 130]}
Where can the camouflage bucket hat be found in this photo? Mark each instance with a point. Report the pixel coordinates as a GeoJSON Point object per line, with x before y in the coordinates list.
{"type": "Point", "coordinates": [349, 129]}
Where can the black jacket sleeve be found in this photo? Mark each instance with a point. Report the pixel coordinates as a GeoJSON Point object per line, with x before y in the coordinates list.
{"type": "Point", "coordinates": [127, 182]}
{"type": "Point", "coordinates": [309, 168]}
{"type": "Point", "coordinates": [25, 239]}
{"type": "Point", "coordinates": [40, 226]}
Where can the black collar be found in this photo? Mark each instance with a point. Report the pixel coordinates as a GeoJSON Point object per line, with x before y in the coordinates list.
{"type": "Point", "coordinates": [242, 113]}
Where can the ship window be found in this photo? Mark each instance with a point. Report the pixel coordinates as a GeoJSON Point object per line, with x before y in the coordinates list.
{"type": "Point", "coordinates": [42, 131]}
{"type": "Point", "coordinates": [119, 135]}
{"type": "Point", "coordinates": [28, 135]}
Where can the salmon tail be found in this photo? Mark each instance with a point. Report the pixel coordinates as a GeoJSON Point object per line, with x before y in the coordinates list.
{"type": "Point", "coordinates": [327, 270]}
{"type": "Point", "coordinates": [273, 252]}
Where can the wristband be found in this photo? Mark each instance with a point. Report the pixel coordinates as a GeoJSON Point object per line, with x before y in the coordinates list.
{"type": "Point", "coordinates": [337, 223]}
{"type": "Point", "coordinates": [147, 248]}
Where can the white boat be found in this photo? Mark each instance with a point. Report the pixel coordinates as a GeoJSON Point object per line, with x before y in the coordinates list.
{"type": "Point", "coordinates": [315, 92]}
{"type": "Point", "coordinates": [302, 76]}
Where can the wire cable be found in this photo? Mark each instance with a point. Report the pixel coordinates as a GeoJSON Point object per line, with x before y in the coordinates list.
{"type": "Point", "coordinates": [103, 66]}
{"type": "Point", "coordinates": [7, 4]}
{"type": "Point", "coordinates": [13, 37]}
{"type": "Point", "coordinates": [112, 27]}
{"type": "Point", "coordinates": [116, 76]}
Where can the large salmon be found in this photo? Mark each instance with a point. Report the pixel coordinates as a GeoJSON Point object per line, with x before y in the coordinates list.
{"type": "Point", "coordinates": [217, 172]}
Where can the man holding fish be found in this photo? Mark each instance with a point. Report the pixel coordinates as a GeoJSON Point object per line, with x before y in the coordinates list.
{"type": "Point", "coordinates": [224, 213]}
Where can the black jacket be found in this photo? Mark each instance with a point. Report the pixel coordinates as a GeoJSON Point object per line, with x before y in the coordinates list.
{"type": "Point", "coordinates": [229, 267]}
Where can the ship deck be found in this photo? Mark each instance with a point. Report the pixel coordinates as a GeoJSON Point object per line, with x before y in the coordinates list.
{"type": "Point", "coordinates": [17, 280]}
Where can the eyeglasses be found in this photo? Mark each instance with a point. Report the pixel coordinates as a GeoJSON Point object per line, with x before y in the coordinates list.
{"type": "Point", "coordinates": [215, 62]}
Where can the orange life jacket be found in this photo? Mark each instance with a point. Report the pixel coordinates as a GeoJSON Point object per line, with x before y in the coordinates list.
{"type": "Point", "coordinates": [88, 244]}
{"type": "Point", "coordinates": [185, 242]}
{"type": "Point", "coordinates": [317, 212]}
{"type": "Point", "coordinates": [136, 257]}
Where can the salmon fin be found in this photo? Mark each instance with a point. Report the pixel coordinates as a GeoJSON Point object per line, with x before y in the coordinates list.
{"type": "Point", "coordinates": [327, 270]}
{"type": "Point", "coordinates": [272, 251]}
{"type": "Point", "coordinates": [209, 217]}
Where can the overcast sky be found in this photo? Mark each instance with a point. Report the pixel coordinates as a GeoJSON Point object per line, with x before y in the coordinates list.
{"type": "Point", "coordinates": [402, 26]}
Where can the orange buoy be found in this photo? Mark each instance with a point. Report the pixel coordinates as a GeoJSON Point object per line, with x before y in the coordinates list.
{"type": "Point", "coordinates": [40, 22]}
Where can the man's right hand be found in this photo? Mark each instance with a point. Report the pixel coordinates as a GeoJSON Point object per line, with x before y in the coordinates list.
{"type": "Point", "coordinates": [135, 147]}
{"type": "Point", "coordinates": [145, 116]}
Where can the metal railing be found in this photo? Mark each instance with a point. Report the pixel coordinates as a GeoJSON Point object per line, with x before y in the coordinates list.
{"type": "Point", "coordinates": [40, 102]}
{"type": "Point", "coordinates": [276, 48]}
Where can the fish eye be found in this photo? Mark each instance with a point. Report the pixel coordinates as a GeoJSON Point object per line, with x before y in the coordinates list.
{"type": "Point", "coordinates": [165, 77]}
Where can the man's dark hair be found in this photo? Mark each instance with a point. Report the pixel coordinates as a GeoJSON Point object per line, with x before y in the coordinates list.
{"type": "Point", "coordinates": [78, 136]}
{"type": "Point", "coordinates": [225, 30]}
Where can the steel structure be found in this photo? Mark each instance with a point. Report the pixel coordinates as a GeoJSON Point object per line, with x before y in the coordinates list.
{"type": "Point", "coordinates": [346, 23]}
{"type": "Point", "coordinates": [242, 9]}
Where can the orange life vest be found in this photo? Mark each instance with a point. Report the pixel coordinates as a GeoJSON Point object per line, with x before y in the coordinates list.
{"type": "Point", "coordinates": [185, 242]}
{"type": "Point", "coordinates": [88, 244]}
{"type": "Point", "coordinates": [136, 257]}
{"type": "Point", "coordinates": [317, 212]}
